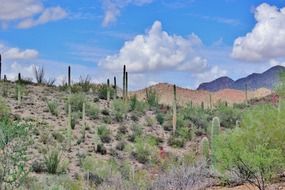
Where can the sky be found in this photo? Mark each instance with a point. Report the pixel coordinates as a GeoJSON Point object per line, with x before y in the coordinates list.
{"type": "Point", "coordinates": [182, 42]}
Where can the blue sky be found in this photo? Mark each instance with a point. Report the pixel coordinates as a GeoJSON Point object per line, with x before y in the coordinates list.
{"type": "Point", "coordinates": [184, 41]}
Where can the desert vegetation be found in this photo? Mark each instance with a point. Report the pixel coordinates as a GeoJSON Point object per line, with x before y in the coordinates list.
{"type": "Point", "coordinates": [98, 136]}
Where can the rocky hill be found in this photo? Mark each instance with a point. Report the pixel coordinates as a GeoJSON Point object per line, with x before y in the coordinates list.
{"type": "Point", "coordinates": [267, 79]}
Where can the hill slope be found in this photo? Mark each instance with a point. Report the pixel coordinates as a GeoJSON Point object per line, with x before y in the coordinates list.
{"type": "Point", "coordinates": [267, 79]}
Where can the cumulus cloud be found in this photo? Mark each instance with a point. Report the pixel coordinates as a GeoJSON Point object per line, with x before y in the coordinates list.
{"type": "Point", "coordinates": [50, 14]}
{"type": "Point", "coordinates": [266, 40]}
{"type": "Point", "coordinates": [17, 54]}
{"type": "Point", "coordinates": [28, 13]}
{"type": "Point", "coordinates": [113, 8]}
{"type": "Point", "coordinates": [157, 50]}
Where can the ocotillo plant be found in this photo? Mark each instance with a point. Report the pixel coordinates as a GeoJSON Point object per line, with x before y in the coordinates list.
{"type": "Point", "coordinates": [174, 118]}
{"type": "Point", "coordinates": [69, 76]}
{"type": "Point", "coordinates": [0, 67]}
{"type": "Point", "coordinates": [205, 148]}
{"type": "Point", "coordinates": [124, 82]}
{"type": "Point", "coordinates": [115, 87]}
{"type": "Point", "coordinates": [214, 132]}
{"type": "Point", "coordinates": [108, 91]}
{"type": "Point", "coordinates": [126, 93]}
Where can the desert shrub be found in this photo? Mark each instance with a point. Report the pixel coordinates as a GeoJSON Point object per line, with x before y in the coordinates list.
{"type": "Point", "coordinates": [102, 91]}
{"type": "Point", "coordinates": [181, 136]}
{"type": "Point", "coordinates": [136, 132]}
{"type": "Point", "coordinates": [84, 85]}
{"type": "Point", "coordinates": [143, 150]}
{"type": "Point", "coordinates": [120, 109]}
{"type": "Point", "coordinates": [228, 115]}
{"type": "Point", "coordinates": [195, 176]}
{"type": "Point", "coordinates": [259, 156]}
{"type": "Point", "coordinates": [104, 133]}
{"type": "Point", "coordinates": [52, 161]}
{"type": "Point", "coordinates": [74, 119]}
{"type": "Point", "coordinates": [4, 109]}
{"type": "Point", "coordinates": [93, 111]}
{"type": "Point", "coordinates": [136, 105]}
{"type": "Point", "coordinates": [160, 118]}
{"type": "Point", "coordinates": [101, 149]}
{"type": "Point", "coordinates": [198, 117]}
{"type": "Point", "coordinates": [53, 107]}
{"type": "Point", "coordinates": [150, 121]}
{"type": "Point", "coordinates": [38, 166]}
{"type": "Point", "coordinates": [152, 98]}
{"type": "Point", "coordinates": [76, 101]}
{"type": "Point", "coordinates": [14, 141]}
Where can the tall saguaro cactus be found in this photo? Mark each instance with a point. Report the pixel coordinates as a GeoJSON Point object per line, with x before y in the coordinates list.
{"type": "Point", "coordinates": [174, 118]}
{"type": "Point", "coordinates": [108, 91]}
{"type": "Point", "coordinates": [19, 77]}
{"type": "Point", "coordinates": [127, 84]}
{"type": "Point", "coordinates": [115, 87]}
{"type": "Point", "coordinates": [69, 76]}
{"type": "Point", "coordinates": [124, 82]}
{"type": "Point", "coordinates": [214, 132]}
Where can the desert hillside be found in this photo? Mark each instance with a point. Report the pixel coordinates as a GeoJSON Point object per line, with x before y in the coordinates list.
{"type": "Point", "coordinates": [184, 96]}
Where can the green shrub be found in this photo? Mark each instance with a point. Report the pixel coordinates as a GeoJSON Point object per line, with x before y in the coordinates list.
{"type": "Point", "coordinates": [53, 107]}
{"type": "Point", "coordinates": [52, 161]}
{"type": "Point", "coordinates": [102, 91]}
{"type": "Point", "coordinates": [4, 109]}
{"type": "Point", "coordinates": [76, 101]}
{"type": "Point", "coordinates": [120, 109]}
{"type": "Point", "coordinates": [181, 136]}
{"type": "Point", "coordinates": [160, 118]}
{"type": "Point", "coordinates": [152, 98]}
{"type": "Point", "coordinates": [228, 115]}
{"type": "Point", "coordinates": [93, 111]}
{"type": "Point", "coordinates": [256, 149]}
{"type": "Point", "coordinates": [143, 150]}
{"type": "Point", "coordinates": [136, 133]}
{"type": "Point", "coordinates": [104, 133]}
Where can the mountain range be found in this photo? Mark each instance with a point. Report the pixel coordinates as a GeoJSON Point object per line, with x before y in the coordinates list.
{"type": "Point", "coordinates": [268, 79]}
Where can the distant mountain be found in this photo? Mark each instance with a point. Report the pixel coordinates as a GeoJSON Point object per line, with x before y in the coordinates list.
{"type": "Point", "coordinates": [267, 79]}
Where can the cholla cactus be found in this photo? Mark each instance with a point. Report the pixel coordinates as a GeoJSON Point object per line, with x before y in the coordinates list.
{"type": "Point", "coordinates": [205, 148]}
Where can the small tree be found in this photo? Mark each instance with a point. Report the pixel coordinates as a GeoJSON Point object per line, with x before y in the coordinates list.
{"type": "Point", "coordinates": [39, 74]}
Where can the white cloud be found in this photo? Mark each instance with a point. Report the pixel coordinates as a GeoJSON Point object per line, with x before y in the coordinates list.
{"type": "Point", "coordinates": [113, 8]}
{"type": "Point", "coordinates": [156, 51]}
{"type": "Point", "coordinates": [50, 14]}
{"type": "Point", "coordinates": [266, 40]}
{"type": "Point", "coordinates": [17, 54]}
{"type": "Point", "coordinates": [28, 13]}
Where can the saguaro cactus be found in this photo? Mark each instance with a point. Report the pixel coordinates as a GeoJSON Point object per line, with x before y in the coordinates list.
{"type": "Point", "coordinates": [124, 82]}
{"type": "Point", "coordinates": [108, 91]}
{"type": "Point", "coordinates": [174, 118]}
{"type": "Point", "coordinates": [127, 84]}
{"type": "Point", "coordinates": [19, 77]}
{"type": "Point", "coordinates": [205, 148]}
{"type": "Point", "coordinates": [202, 105]}
{"type": "Point", "coordinates": [214, 132]}
{"type": "Point", "coordinates": [115, 87]}
{"type": "Point", "coordinates": [69, 76]}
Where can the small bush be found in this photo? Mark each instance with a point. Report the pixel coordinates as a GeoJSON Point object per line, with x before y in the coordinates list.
{"type": "Point", "coordinates": [136, 133]}
{"type": "Point", "coordinates": [152, 98]}
{"type": "Point", "coordinates": [120, 108]}
{"type": "Point", "coordinates": [102, 91]}
{"type": "Point", "coordinates": [93, 111]}
{"type": "Point", "coordinates": [101, 149]}
{"type": "Point", "coordinates": [143, 150]}
{"type": "Point", "coordinates": [38, 166]}
{"type": "Point", "coordinates": [76, 101]}
{"type": "Point", "coordinates": [53, 107]}
{"type": "Point", "coordinates": [104, 133]}
{"type": "Point", "coordinates": [4, 109]}
{"type": "Point", "coordinates": [52, 161]}
{"type": "Point", "coordinates": [160, 118]}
